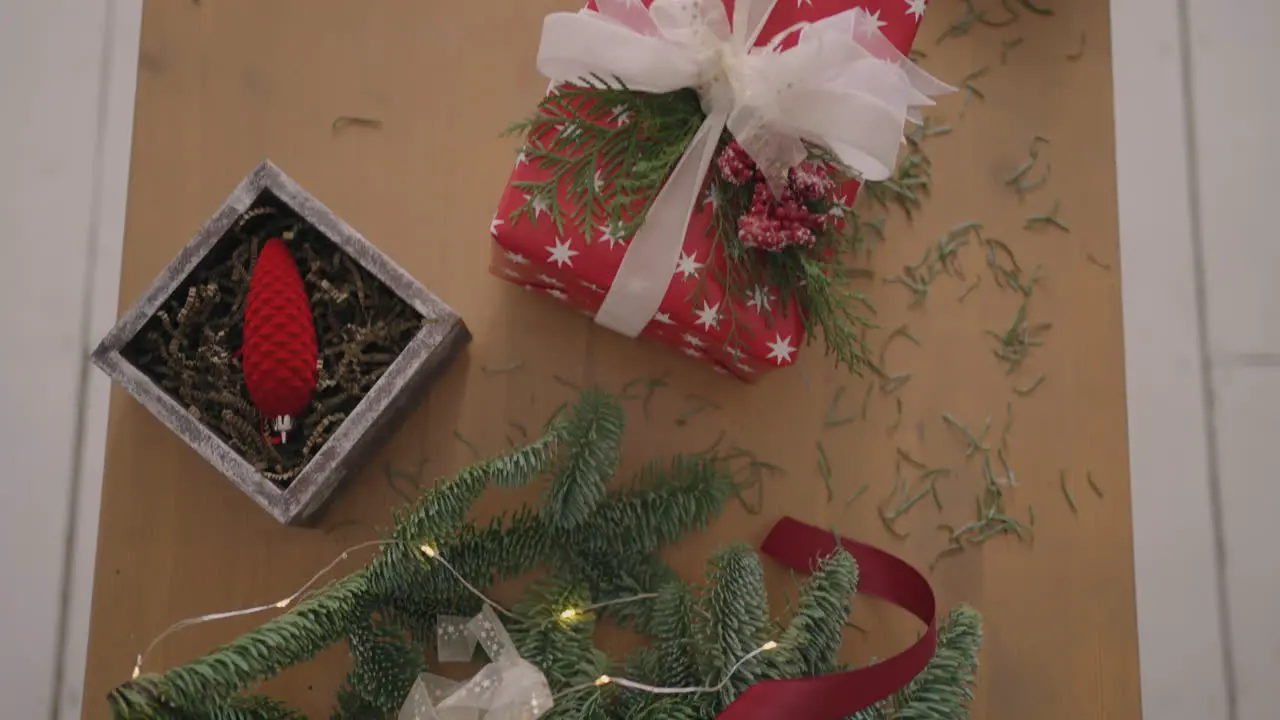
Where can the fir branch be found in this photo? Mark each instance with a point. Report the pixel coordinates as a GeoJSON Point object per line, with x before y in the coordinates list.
{"type": "Point", "coordinates": [945, 687]}
{"type": "Point", "coordinates": [593, 435]}
{"type": "Point", "coordinates": [737, 616]}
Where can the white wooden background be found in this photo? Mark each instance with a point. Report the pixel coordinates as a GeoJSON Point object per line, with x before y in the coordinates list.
{"type": "Point", "coordinates": [1195, 92]}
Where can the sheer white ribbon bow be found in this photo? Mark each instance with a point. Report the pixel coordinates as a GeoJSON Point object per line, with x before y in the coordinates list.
{"type": "Point", "coordinates": [508, 688]}
{"type": "Point", "coordinates": [842, 86]}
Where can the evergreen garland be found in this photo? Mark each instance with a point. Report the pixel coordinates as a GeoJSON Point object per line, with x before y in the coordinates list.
{"type": "Point", "coordinates": [598, 544]}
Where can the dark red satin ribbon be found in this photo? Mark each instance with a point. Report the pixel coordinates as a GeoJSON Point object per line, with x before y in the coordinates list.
{"type": "Point", "coordinates": [839, 695]}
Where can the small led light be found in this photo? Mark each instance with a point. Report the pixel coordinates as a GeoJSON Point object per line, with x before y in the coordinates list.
{"type": "Point", "coordinates": [769, 645]}
{"type": "Point", "coordinates": [603, 680]}
{"type": "Point", "coordinates": [428, 550]}
{"type": "Point", "coordinates": [569, 614]}
{"type": "Point", "coordinates": [283, 603]}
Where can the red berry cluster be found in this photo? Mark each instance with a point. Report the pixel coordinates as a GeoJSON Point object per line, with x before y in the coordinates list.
{"type": "Point", "coordinates": [777, 223]}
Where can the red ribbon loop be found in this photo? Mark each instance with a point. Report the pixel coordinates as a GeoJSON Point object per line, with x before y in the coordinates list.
{"type": "Point", "coordinates": [839, 695]}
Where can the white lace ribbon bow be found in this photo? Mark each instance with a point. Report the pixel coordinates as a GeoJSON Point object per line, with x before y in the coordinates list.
{"type": "Point", "coordinates": [508, 688]}
{"type": "Point", "coordinates": [842, 86]}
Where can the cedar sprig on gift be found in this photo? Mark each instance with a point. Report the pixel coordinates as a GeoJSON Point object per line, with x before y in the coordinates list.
{"type": "Point", "coordinates": [609, 148]}
{"type": "Point", "coordinates": [814, 274]}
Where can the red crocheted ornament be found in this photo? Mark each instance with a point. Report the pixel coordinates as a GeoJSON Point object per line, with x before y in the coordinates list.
{"type": "Point", "coordinates": [279, 336]}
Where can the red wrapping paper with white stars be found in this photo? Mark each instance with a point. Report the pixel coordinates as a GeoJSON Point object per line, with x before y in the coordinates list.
{"type": "Point", "coordinates": [694, 316]}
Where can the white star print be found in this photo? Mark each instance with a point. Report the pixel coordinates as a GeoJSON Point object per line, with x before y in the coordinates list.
{"type": "Point", "coordinates": [838, 206]}
{"type": "Point", "coordinates": [522, 158]}
{"type": "Point", "coordinates": [780, 349]}
{"type": "Point", "coordinates": [693, 340]}
{"type": "Point", "coordinates": [733, 351]}
{"type": "Point", "coordinates": [561, 253]}
{"type": "Point", "coordinates": [539, 203]}
{"type": "Point", "coordinates": [802, 3]}
{"type": "Point", "coordinates": [664, 318]}
{"type": "Point", "coordinates": [570, 130]}
{"type": "Point", "coordinates": [916, 7]}
{"type": "Point", "coordinates": [512, 273]}
{"type": "Point", "coordinates": [620, 114]}
{"type": "Point", "coordinates": [608, 235]}
{"type": "Point", "coordinates": [720, 369]}
{"type": "Point", "coordinates": [744, 368]}
{"type": "Point", "coordinates": [688, 265]}
{"type": "Point", "coordinates": [591, 286]}
{"type": "Point", "coordinates": [561, 296]}
{"type": "Point", "coordinates": [517, 258]}
{"type": "Point", "coordinates": [550, 280]}
{"type": "Point", "coordinates": [708, 316]}
{"type": "Point", "coordinates": [760, 299]}
{"type": "Point", "coordinates": [692, 352]}
{"type": "Point", "coordinates": [493, 226]}
{"type": "Point", "coordinates": [876, 22]}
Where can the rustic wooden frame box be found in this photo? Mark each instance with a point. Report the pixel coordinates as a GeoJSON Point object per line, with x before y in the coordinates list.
{"type": "Point", "coordinates": [377, 415]}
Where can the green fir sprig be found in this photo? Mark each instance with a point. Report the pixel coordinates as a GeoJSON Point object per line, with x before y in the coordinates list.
{"type": "Point", "coordinates": [592, 543]}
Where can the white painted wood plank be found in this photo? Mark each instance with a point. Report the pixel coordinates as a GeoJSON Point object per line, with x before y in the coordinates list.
{"type": "Point", "coordinates": [52, 54]}
{"type": "Point", "coordinates": [1180, 639]}
{"type": "Point", "coordinates": [1235, 51]}
{"type": "Point", "coordinates": [1248, 423]}
{"type": "Point", "coordinates": [120, 73]}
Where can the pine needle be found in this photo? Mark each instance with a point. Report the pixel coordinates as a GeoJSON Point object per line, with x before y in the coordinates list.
{"type": "Point", "coordinates": [1050, 218]}
{"type": "Point", "coordinates": [1026, 391]}
{"type": "Point", "coordinates": [824, 468]}
{"type": "Point", "coordinates": [343, 121]}
{"type": "Point", "coordinates": [502, 369]}
{"type": "Point", "coordinates": [1066, 493]}
{"type": "Point", "coordinates": [470, 445]}
{"type": "Point", "coordinates": [1089, 478]}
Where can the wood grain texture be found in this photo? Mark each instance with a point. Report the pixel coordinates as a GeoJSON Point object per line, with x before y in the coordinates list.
{"type": "Point", "coordinates": [223, 85]}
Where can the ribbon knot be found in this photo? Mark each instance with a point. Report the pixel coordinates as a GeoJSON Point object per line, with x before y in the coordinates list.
{"type": "Point", "coordinates": [718, 91]}
{"type": "Point", "coordinates": [842, 86]}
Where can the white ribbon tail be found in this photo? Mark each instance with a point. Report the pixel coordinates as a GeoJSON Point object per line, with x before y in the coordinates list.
{"type": "Point", "coordinates": [577, 46]}
{"type": "Point", "coordinates": [650, 261]}
{"type": "Point", "coordinates": [862, 131]}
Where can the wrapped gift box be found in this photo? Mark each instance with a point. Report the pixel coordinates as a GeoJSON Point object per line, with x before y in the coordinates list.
{"type": "Point", "coordinates": [744, 336]}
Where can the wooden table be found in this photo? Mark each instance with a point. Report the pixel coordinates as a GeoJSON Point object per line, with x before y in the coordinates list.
{"type": "Point", "coordinates": [224, 84]}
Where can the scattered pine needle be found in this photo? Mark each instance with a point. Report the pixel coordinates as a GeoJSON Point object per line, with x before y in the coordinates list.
{"type": "Point", "coordinates": [343, 121]}
{"type": "Point", "coordinates": [895, 383]}
{"type": "Point", "coordinates": [1049, 218]}
{"type": "Point", "coordinates": [862, 490]}
{"type": "Point", "coordinates": [1072, 57]}
{"type": "Point", "coordinates": [1088, 476]}
{"type": "Point", "coordinates": [824, 468]}
{"type": "Point", "coordinates": [832, 419]}
{"type": "Point", "coordinates": [976, 282]}
{"type": "Point", "coordinates": [502, 369]}
{"type": "Point", "coordinates": [1066, 493]}
{"type": "Point", "coordinates": [1006, 46]}
{"type": "Point", "coordinates": [1099, 263]}
{"type": "Point", "coordinates": [1026, 391]}
{"type": "Point", "coordinates": [470, 445]}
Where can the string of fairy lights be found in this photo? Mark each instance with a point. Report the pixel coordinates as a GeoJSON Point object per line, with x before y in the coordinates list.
{"type": "Point", "coordinates": [430, 553]}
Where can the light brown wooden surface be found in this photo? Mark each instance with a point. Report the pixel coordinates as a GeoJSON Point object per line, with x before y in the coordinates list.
{"type": "Point", "coordinates": [224, 84]}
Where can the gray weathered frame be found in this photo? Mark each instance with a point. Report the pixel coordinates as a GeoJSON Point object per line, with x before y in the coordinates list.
{"type": "Point", "coordinates": [377, 415]}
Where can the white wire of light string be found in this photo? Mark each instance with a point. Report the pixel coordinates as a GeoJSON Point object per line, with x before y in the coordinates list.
{"type": "Point", "coordinates": [656, 690]}
{"type": "Point", "coordinates": [427, 550]}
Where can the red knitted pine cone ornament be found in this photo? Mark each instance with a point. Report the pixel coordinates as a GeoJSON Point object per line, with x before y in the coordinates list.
{"type": "Point", "coordinates": [279, 336]}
